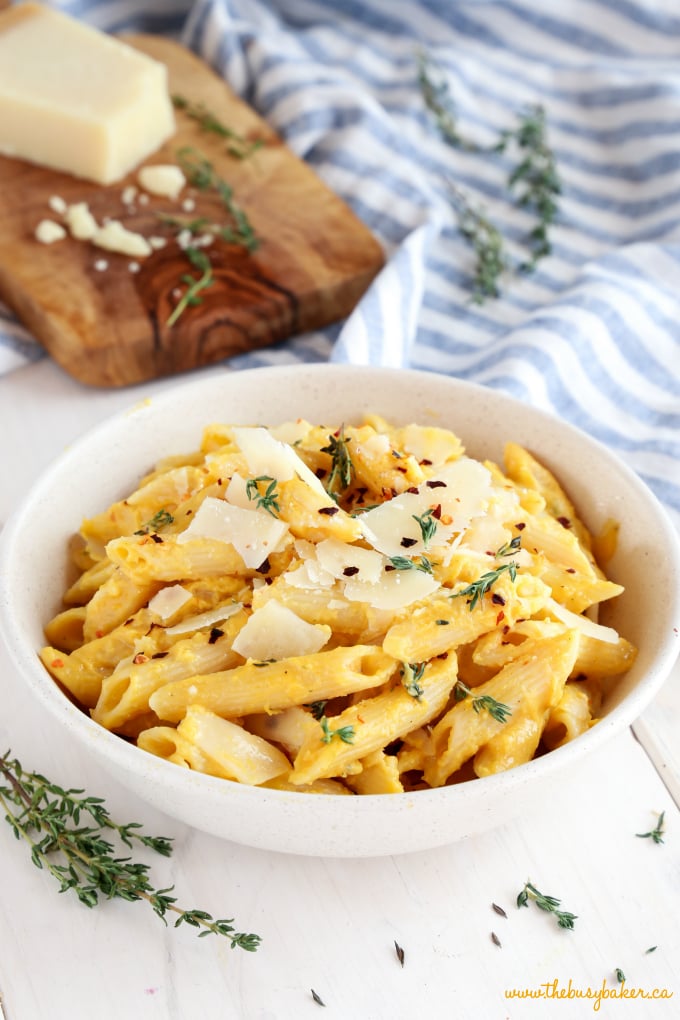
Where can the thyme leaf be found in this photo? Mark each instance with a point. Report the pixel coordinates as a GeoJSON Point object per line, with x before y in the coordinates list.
{"type": "Point", "coordinates": [267, 500]}
{"type": "Point", "coordinates": [549, 903]}
{"type": "Point", "coordinates": [159, 520]}
{"type": "Point", "coordinates": [200, 172]}
{"type": "Point", "coordinates": [411, 675]}
{"type": "Point", "coordinates": [655, 834]}
{"type": "Point", "coordinates": [345, 733]}
{"type": "Point", "coordinates": [427, 523]}
{"type": "Point", "coordinates": [342, 468]}
{"type": "Point", "coordinates": [487, 244]}
{"type": "Point", "coordinates": [475, 591]}
{"type": "Point", "coordinates": [68, 837]}
{"type": "Point", "coordinates": [482, 702]}
{"type": "Point", "coordinates": [191, 297]}
{"type": "Point", "coordinates": [238, 146]}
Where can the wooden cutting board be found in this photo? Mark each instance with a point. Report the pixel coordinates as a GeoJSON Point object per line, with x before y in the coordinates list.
{"type": "Point", "coordinates": [109, 328]}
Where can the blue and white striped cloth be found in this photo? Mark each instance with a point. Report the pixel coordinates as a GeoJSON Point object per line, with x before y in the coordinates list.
{"type": "Point", "coordinates": [594, 334]}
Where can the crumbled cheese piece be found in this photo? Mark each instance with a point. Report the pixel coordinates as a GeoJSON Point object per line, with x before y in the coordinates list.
{"type": "Point", "coordinates": [133, 267]}
{"type": "Point", "coordinates": [81, 222]}
{"type": "Point", "coordinates": [253, 533]}
{"type": "Point", "coordinates": [184, 239]}
{"type": "Point", "coordinates": [143, 199]}
{"type": "Point", "coordinates": [276, 632]}
{"type": "Point", "coordinates": [188, 205]}
{"type": "Point", "coordinates": [75, 99]}
{"type": "Point", "coordinates": [157, 242]}
{"type": "Point", "coordinates": [210, 618]}
{"type": "Point", "coordinates": [166, 180]}
{"type": "Point", "coordinates": [57, 204]}
{"type": "Point", "coordinates": [129, 194]}
{"type": "Point", "coordinates": [115, 237]}
{"type": "Point", "coordinates": [168, 601]}
{"type": "Point", "coordinates": [101, 265]}
{"type": "Point", "coordinates": [47, 232]}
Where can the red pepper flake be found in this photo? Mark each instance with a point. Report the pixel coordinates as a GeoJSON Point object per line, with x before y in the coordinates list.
{"type": "Point", "coordinates": [433, 483]}
{"type": "Point", "coordinates": [388, 567]}
{"type": "Point", "coordinates": [413, 489]}
{"type": "Point", "coordinates": [400, 467]}
{"type": "Point", "coordinates": [425, 461]}
{"type": "Point", "coordinates": [99, 633]}
{"type": "Point", "coordinates": [139, 658]}
{"type": "Point", "coordinates": [564, 521]}
{"type": "Point", "coordinates": [521, 526]}
{"type": "Point", "coordinates": [157, 539]}
{"type": "Point", "coordinates": [265, 566]}
{"type": "Point", "coordinates": [159, 655]}
{"type": "Point", "coordinates": [350, 571]}
{"type": "Point", "coordinates": [436, 509]}
{"type": "Point", "coordinates": [500, 617]}
{"type": "Point", "coordinates": [329, 511]}
{"type": "Point", "coordinates": [444, 655]}
{"type": "Point", "coordinates": [570, 570]}
{"type": "Point", "coordinates": [57, 663]}
{"type": "Point", "coordinates": [215, 634]}
{"type": "Point", "coordinates": [408, 542]}
{"type": "Point", "coordinates": [320, 473]}
{"type": "Point", "coordinates": [497, 599]}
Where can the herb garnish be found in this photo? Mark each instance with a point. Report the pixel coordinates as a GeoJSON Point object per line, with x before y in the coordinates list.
{"type": "Point", "coordinates": [439, 102]}
{"type": "Point", "coordinates": [620, 976]}
{"type": "Point", "coordinates": [191, 296]}
{"type": "Point", "coordinates": [342, 468]}
{"type": "Point", "coordinates": [656, 834]}
{"type": "Point", "coordinates": [487, 244]}
{"type": "Point", "coordinates": [537, 171]}
{"type": "Point", "coordinates": [239, 147]}
{"type": "Point", "coordinates": [475, 591]}
{"type": "Point", "coordinates": [317, 708]}
{"type": "Point", "coordinates": [549, 903]}
{"type": "Point", "coordinates": [345, 733]}
{"type": "Point", "coordinates": [268, 500]}
{"type": "Point", "coordinates": [159, 520]}
{"type": "Point", "coordinates": [482, 703]}
{"type": "Point", "coordinates": [51, 821]}
{"type": "Point", "coordinates": [401, 956]}
{"type": "Point", "coordinates": [200, 172]}
{"type": "Point", "coordinates": [404, 563]}
{"type": "Point", "coordinates": [317, 998]}
{"type": "Point", "coordinates": [427, 522]}
{"type": "Point", "coordinates": [411, 674]}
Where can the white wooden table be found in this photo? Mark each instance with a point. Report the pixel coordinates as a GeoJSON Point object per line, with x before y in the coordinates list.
{"type": "Point", "coordinates": [331, 925]}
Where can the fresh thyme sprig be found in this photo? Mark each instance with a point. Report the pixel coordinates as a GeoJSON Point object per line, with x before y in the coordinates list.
{"type": "Point", "coordinates": [267, 500]}
{"type": "Point", "coordinates": [549, 903]}
{"type": "Point", "coordinates": [200, 172]}
{"type": "Point", "coordinates": [537, 171]}
{"type": "Point", "coordinates": [477, 589]}
{"type": "Point", "coordinates": [404, 563]}
{"type": "Point", "coordinates": [159, 520]}
{"type": "Point", "coordinates": [427, 522]}
{"type": "Point", "coordinates": [238, 145]}
{"type": "Point", "coordinates": [487, 244]}
{"type": "Point", "coordinates": [66, 833]}
{"type": "Point", "coordinates": [482, 702]}
{"type": "Point", "coordinates": [411, 675]}
{"type": "Point", "coordinates": [342, 468]}
{"type": "Point", "coordinates": [192, 295]}
{"type": "Point", "coordinates": [655, 834]}
{"type": "Point", "coordinates": [439, 101]}
{"type": "Point", "coordinates": [345, 733]}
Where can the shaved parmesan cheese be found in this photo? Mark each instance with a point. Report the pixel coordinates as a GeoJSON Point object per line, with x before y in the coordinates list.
{"type": "Point", "coordinates": [338, 558]}
{"type": "Point", "coordinates": [265, 455]}
{"type": "Point", "coordinates": [168, 601]}
{"type": "Point", "coordinates": [428, 443]}
{"type": "Point", "coordinates": [253, 533]}
{"type": "Point", "coordinates": [291, 432]}
{"type": "Point", "coordinates": [276, 632]}
{"type": "Point", "coordinates": [394, 590]}
{"type": "Point", "coordinates": [461, 490]}
{"type": "Point", "coordinates": [588, 627]}
{"type": "Point", "coordinates": [207, 619]}
{"type": "Point", "coordinates": [378, 445]}
{"type": "Point", "coordinates": [309, 575]}
{"type": "Point", "coordinates": [236, 493]}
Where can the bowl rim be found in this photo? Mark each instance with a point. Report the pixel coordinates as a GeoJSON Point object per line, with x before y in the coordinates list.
{"type": "Point", "coordinates": [123, 754]}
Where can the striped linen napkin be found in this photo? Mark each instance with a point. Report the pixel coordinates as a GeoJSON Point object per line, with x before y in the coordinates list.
{"type": "Point", "coordinates": [593, 333]}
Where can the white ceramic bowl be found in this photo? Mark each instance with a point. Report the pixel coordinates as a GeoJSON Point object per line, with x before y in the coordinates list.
{"type": "Point", "coordinates": [106, 463]}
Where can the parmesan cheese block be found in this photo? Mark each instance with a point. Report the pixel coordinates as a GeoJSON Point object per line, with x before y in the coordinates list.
{"type": "Point", "coordinates": [74, 99]}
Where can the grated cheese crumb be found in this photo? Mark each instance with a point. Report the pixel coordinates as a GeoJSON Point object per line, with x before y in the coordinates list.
{"type": "Point", "coordinates": [47, 232]}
